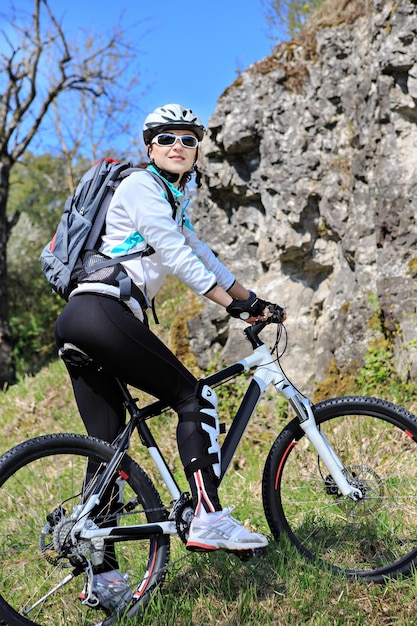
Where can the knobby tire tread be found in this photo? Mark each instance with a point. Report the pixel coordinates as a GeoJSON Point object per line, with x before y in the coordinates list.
{"type": "Point", "coordinates": [294, 494]}
{"type": "Point", "coordinates": [39, 449]}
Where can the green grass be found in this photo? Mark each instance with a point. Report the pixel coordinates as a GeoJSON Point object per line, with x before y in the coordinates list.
{"type": "Point", "coordinates": [218, 589]}
{"type": "Point", "coordinates": [279, 588]}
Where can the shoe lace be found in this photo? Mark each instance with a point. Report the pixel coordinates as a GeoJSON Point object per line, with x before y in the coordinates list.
{"type": "Point", "coordinates": [228, 513]}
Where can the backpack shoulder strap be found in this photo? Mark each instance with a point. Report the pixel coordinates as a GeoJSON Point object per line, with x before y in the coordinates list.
{"type": "Point", "coordinates": [103, 201]}
{"type": "Point", "coordinates": [124, 171]}
{"type": "Point", "coordinates": [165, 187]}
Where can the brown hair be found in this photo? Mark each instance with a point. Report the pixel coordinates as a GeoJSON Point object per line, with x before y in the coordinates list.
{"type": "Point", "coordinates": [185, 178]}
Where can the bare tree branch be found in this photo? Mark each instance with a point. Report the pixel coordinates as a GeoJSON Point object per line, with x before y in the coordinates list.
{"type": "Point", "coordinates": [44, 73]}
{"type": "Point", "coordinates": [27, 98]}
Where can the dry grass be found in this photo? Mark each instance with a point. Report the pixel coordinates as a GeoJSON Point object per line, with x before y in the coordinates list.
{"type": "Point", "coordinates": [293, 57]}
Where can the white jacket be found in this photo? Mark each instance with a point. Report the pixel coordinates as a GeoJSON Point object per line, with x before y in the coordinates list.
{"type": "Point", "coordinates": [140, 215]}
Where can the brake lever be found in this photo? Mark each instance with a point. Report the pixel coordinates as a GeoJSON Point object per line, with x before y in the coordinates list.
{"type": "Point", "coordinates": [278, 314]}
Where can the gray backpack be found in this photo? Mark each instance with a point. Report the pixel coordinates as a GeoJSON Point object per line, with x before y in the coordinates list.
{"type": "Point", "coordinates": [71, 256]}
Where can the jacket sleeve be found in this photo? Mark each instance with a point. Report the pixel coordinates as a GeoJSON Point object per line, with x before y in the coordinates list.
{"type": "Point", "coordinates": [224, 277]}
{"type": "Point", "coordinates": [151, 214]}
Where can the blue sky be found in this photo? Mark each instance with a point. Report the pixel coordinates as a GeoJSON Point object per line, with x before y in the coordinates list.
{"type": "Point", "coordinates": [190, 51]}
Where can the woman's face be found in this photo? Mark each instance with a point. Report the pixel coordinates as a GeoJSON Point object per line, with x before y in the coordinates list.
{"type": "Point", "coordinates": [176, 159]}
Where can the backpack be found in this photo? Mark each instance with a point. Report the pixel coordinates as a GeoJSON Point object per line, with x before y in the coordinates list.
{"type": "Point", "coordinates": [71, 256]}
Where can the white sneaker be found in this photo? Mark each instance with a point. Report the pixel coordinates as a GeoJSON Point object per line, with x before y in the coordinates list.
{"type": "Point", "coordinates": [220, 531]}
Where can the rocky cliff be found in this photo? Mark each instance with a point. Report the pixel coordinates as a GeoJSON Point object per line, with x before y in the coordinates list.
{"type": "Point", "coordinates": [309, 190]}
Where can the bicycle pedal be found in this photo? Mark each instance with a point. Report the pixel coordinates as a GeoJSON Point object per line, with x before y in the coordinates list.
{"type": "Point", "coordinates": [245, 555]}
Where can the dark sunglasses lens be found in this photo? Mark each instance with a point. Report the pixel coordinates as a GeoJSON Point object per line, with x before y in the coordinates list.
{"type": "Point", "coordinates": [166, 140]}
{"type": "Point", "coordinates": [189, 141]}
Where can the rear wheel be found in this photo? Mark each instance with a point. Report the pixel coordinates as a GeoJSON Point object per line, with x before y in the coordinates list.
{"type": "Point", "coordinates": [374, 538]}
{"type": "Point", "coordinates": [41, 481]}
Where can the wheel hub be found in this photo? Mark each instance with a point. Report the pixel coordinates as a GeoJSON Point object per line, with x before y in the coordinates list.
{"type": "Point", "coordinates": [56, 543]}
{"type": "Point", "coordinates": [369, 484]}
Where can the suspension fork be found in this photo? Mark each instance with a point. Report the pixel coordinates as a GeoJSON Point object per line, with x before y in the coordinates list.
{"type": "Point", "coordinates": [303, 408]}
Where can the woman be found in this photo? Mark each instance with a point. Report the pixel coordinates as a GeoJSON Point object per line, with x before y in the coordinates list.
{"type": "Point", "coordinates": [115, 332]}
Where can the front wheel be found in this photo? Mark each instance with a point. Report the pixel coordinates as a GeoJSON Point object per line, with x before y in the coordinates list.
{"type": "Point", "coordinates": [374, 538]}
{"type": "Point", "coordinates": [42, 572]}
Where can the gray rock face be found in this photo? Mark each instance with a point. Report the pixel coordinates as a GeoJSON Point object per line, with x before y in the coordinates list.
{"type": "Point", "coordinates": [310, 191]}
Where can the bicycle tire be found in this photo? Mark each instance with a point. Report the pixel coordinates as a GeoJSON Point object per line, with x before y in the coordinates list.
{"type": "Point", "coordinates": [373, 539]}
{"type": "Point", "coordinates": [35, 478]}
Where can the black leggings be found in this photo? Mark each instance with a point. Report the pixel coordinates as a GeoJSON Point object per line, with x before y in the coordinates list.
{"type": "Point", "coordinates": [125, 347]}
{"type": "Point", "coordinates": [108, 331]}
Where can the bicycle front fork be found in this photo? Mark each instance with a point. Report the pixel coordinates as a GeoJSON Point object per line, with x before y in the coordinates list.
{"type": "Point", "coordinates": [302, 407]}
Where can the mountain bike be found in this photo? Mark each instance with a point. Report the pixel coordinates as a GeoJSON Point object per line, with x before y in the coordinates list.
{"type": "Point", "coordinates": [340, 481]}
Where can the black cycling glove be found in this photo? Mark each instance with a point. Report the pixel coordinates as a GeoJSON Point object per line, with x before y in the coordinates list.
{"type": "Point", "coordinates": [243, 309]}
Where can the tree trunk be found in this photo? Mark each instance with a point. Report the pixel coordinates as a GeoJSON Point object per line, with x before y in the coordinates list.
{"type": "Point", "coordinates": [7, 370]}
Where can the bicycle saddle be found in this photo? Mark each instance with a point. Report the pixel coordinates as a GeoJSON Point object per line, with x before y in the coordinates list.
{"type": "Point", "coordinates": [73, 355]}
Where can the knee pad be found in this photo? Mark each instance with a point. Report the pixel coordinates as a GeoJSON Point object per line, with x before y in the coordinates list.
{"type": "Point", "coordinates": [209, 396]}
{"type": "Point", "coordinates": [204, 416]}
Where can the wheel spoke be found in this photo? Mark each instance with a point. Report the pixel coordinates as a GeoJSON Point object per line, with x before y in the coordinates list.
{"type": "Point", "coordinates": [43, 571]}
{"type": "Point", "coordinates": [373, 537]}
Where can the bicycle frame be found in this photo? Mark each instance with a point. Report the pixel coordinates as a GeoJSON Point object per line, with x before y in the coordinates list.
{"type": "Point", "coordinates": [331, 522]}
{"type": "Point", "coordinates": [267, 372]}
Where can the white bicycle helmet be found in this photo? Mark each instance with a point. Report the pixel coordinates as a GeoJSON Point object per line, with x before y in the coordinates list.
{"type": "Point", "coordinates": [171, 116]}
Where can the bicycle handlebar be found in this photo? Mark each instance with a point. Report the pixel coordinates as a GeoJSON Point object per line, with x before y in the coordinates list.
{"type": "Point", "coordinates": [277, 316]}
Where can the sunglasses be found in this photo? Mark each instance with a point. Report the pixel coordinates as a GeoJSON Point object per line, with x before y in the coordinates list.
{"type": "Point", "coordinates": [168, 139]}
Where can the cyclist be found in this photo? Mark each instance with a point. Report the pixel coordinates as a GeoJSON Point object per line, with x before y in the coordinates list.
{"type": "Point", "coordinates": [115, 332]}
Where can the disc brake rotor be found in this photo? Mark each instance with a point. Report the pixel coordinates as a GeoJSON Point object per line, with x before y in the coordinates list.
{"type": "Point", "coordinates": [368, 482]}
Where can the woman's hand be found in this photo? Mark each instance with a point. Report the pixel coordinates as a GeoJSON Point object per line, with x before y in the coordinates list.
{"type": "Point", "coordinates": [251, 310]}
